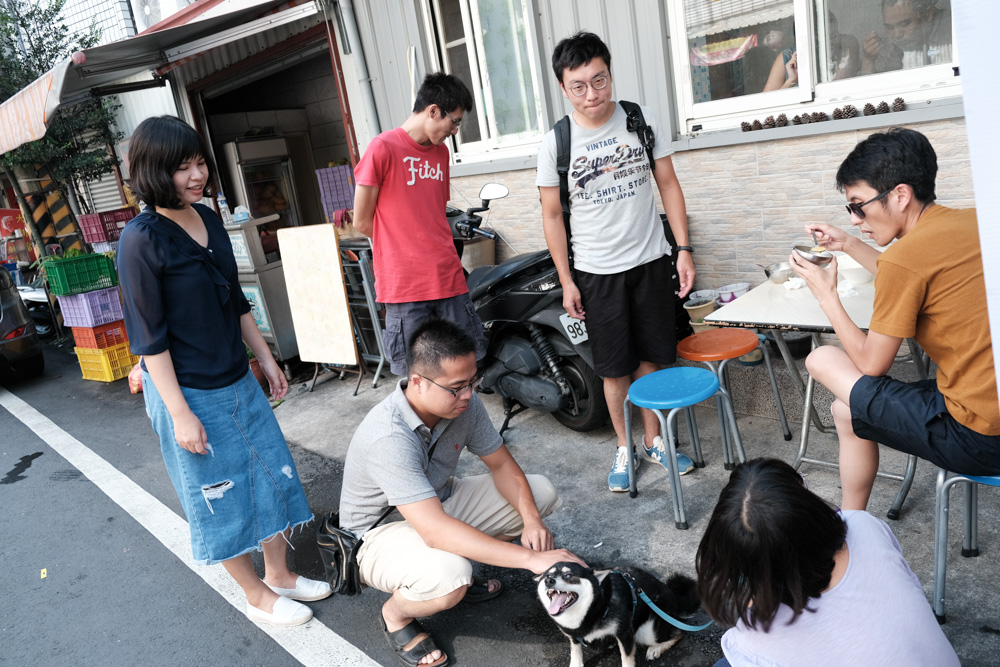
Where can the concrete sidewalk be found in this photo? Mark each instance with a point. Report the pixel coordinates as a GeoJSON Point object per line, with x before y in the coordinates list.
{"type": "Point", "coordinates": [612, 529]}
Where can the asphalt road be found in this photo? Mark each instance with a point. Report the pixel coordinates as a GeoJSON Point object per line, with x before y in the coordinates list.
{"type": "Point", "coordinates": [113, 594]}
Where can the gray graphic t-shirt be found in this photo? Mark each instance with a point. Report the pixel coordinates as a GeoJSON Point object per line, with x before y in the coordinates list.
{"type": "Point", "coordinates": [614, 222]}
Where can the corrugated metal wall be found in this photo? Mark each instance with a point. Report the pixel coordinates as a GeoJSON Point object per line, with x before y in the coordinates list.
{"type": "Point", "coordinates": [388, 29]}
{"type": "Point", "coordinates": [635, 31]}
{"type": "Point", "coordinates": [636, 34]}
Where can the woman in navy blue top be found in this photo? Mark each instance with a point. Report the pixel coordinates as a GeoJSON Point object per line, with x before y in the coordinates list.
{"type": "Point", "coordinates": [186, 315]}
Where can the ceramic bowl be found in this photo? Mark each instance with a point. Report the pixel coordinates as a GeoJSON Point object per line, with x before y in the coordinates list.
{"type": "Point", "coordinates": [820, 258]}
{"type": "Point", "coordinates": [728, 293]}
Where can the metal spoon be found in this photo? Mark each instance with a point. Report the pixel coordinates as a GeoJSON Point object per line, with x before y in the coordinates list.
{"type": "Point", "coordinates": [815, 241]}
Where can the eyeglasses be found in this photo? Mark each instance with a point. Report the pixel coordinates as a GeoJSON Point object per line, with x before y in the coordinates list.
{"type": "Point", "coordinates": [457, 391]}
{"type": "Point", "coordinates": [599, 82]}
{"type": "Point", "coordinates": [857, 209]}
{"type": "Point", "coordinates": [457, 123]}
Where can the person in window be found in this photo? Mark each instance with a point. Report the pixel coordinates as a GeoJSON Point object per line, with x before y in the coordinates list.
{"type": "Point", "coordinates": [621, 282]}
{"type": "Point", "coordinates": [918, 33]}
{"type": "Point", "coordinates": [187, 317]}
{"type": "Point", "coordinates": [927, 284]}
{"type": "Point", "coordinates": [799, 583]}
{"type": "Point", "coordinates": [403, 188]}
{"type": "Point", "coordinates": [844, 62]}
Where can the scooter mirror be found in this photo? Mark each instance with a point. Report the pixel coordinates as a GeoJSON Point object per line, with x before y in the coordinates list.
{"type": "Point", "coordinates": [492, 191]}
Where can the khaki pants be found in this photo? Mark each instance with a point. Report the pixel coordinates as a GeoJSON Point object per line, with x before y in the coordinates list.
{"type": "Point", "coordinates": [394, 557]}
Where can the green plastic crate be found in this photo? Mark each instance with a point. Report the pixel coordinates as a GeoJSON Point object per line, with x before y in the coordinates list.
{"type": "Point", "coordinates": [80, 274]}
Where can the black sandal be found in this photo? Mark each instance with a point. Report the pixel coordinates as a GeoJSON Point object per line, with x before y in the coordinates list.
{"type": "Point", "coordinates": [411, 658]}
{"type": "Point", "coordinates": [479, 590]}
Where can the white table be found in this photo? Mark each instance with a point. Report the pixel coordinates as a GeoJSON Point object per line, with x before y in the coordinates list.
{"type": "Point", "coordinates": [770, 306]}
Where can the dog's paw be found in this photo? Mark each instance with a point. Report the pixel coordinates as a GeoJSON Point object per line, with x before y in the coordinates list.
{"type": "Point", "coordinates": [656, 650]}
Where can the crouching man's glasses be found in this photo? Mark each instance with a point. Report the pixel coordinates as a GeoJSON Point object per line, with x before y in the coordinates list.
{"type": "Point", "coordinates": [857, 209]}
{"type": "Point", "coordinates": [457, 391]}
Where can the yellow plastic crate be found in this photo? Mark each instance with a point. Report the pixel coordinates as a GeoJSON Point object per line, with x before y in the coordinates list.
{"type": "Point", "coordinates": [106, 365]}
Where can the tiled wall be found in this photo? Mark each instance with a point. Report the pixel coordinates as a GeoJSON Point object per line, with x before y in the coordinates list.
{"type": "Point", "coordinates": [747, 204]}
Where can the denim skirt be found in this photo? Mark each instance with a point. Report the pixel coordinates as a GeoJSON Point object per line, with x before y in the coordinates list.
{"type": "Point", "coordinates": [245, 489]}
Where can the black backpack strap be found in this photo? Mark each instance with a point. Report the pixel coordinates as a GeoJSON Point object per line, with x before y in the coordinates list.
{"type": "Point", "coordinates": [635, 122]}
{"type": "Point", "coordinates": [562, 130]}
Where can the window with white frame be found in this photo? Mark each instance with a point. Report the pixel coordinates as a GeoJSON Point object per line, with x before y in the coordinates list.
{"type": "Point", "coordinates": [747, 58]}
{"type": "Point", "coordinates": [488, 44]}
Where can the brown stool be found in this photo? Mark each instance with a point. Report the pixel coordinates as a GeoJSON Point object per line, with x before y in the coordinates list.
{"type": "Point", "coordinates": [715, 348]}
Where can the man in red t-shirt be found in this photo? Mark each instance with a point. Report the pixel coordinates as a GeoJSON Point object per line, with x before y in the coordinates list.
{"type": "Point", "coordinates": [402, 190]}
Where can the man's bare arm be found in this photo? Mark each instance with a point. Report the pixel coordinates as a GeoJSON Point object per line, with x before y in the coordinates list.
{"type": "Point", "coordinates": [365, 199]}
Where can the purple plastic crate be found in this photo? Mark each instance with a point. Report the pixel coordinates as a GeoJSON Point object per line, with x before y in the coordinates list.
{"type": "Point", "coordinates": [91, 309]}
{"type": "Point", "coordinates": [336, 188]}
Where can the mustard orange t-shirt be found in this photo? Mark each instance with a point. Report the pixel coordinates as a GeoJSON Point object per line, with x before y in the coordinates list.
{"type": "Point", "coordinates": [930, 286]}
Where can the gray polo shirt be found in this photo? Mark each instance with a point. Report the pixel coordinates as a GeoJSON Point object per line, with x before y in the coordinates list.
{"type": "Point", "coordinates": [387, 460]}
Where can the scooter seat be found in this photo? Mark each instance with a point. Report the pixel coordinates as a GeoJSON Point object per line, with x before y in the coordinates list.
{"type": "Point", "coordinates": [483, 277]}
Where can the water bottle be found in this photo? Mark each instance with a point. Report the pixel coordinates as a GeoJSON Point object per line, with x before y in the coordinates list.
{"type": "Point", "coordinates": [224, 212]}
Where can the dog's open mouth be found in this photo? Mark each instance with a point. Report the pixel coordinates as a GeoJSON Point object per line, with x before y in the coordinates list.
{"type": "Point", "coordinates": [560, 601]}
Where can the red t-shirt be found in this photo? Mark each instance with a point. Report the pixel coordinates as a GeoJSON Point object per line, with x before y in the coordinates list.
{"type": "Point", "coordinates": [415, 258]}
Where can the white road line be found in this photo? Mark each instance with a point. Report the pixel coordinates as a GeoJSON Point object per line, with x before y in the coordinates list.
{"type": "Point", "coordinates": [311, 644]}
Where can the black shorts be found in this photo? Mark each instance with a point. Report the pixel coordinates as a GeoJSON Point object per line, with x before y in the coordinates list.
{"type": "Point", "coordinates": [630, 317]}
{"type": "Point", "coordinates": [402, 319]}
{"type": "Point", "coordinates": [912, 417]}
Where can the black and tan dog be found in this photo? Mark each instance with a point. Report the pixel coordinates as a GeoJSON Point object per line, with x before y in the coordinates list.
{"type": "Point", "coordinates": [589, 604]}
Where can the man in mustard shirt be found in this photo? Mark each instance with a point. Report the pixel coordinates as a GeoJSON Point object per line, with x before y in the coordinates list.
{"type": "Point", "coordinates": [929, 286]}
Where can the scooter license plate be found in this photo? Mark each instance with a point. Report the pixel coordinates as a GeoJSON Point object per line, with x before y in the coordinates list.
{"type": "Point", "coordinates": [575, 329]}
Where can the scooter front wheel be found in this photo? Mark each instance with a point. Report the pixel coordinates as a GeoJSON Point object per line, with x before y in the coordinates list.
{"type": "Point", "coordinates": [587, 410]}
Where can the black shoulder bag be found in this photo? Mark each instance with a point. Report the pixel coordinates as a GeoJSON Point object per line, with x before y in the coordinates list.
{"type": "Point", "coordinates": [339, 548]}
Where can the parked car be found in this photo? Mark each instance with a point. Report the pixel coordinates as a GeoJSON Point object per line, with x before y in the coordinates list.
{"type": "Point", "coordinates": [20, 348]}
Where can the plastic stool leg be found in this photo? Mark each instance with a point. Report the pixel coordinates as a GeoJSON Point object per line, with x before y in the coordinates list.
{"type": "Point", "coordinates": [774, 389]}
{"type": "Point", "coordinates": [699, 460]}
{"type": "Point", "coordinates": [970, 536]}
{"type": "Point", "coordinates": [666, 432]}
{"type": "Point", "coordinates": [723, 396]}
{"type": "Point", "coordinates": [633, 491]}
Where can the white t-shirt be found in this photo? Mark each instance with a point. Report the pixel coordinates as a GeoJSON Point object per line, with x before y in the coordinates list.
{"type": "Point", "coordinates": [614, 222]}
{"type": "Point", "coordinates": [877, 614]}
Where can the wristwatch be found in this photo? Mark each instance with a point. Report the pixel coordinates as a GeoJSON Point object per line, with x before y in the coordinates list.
{"type": "Point", "coordinates": [685, 247]}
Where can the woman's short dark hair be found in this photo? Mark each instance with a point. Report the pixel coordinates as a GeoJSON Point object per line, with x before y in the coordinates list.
{"type": "Point", "coordinates": [886, 159]}
{"type": "Point", "coordinates": [770, 541]}
{"type": "Point", "coordinates": [157, 148]}
{"type": "Point", "coordinates": [445, 90]}
{"type": "Point", "coordinates": [434, 341]}
{"type": "Point", "coordinates": [578, 50]}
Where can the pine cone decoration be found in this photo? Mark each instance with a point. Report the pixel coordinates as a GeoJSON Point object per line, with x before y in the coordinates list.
{"type": "Point", "coordinates": [869, 109]}
{"type": "Point", "coordinates": [796, 120]}
{"type": "Point", "coordinates": [782, 120]}
{"type": "Point", "coordinates": [819, 116]}
{"type": "Point", "coordinates": [898, 104]}
{"type": "Point", "coordinates": [745, 126]}
{"type": "Point", "coordinates": [883, 107]}
{"type": "Point", "coordinates": [838, 114]}
{"type": "Point", "coordinates": [769, 122]}
{"type": "Point", "coordinates": [757, 125]}
{"type": "Point", "coordinates": [850, 111]}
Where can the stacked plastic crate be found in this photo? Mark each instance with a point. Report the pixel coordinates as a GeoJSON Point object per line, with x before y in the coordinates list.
{"type": "Point", "coordinates": [90, 299]}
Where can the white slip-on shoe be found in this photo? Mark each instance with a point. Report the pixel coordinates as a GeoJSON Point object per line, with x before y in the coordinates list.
{"type": "Point", "coordinates": [286, 612]}
{"type": "Point", "coordinates": [306, 590]}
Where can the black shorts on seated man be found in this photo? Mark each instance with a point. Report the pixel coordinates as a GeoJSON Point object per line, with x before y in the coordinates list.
{"type": "Point", "coordinates": [926, 284]}
{"type": "Point", "coordinates": [404, 454]}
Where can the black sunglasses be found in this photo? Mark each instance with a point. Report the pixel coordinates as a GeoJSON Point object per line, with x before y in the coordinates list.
{"type": "Point", "coordinates": [858, 209]}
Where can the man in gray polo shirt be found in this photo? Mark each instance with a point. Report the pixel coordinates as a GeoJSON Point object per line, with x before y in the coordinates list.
{"type": "Point", "coordinates": [404, 454]}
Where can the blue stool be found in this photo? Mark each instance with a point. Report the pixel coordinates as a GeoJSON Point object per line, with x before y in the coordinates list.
{"type": "Point", "coordinates": [970, 539]}
{"type": "Point", "coordinates": [672, 389]}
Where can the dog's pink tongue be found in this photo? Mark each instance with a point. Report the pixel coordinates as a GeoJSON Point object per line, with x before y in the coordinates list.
{"type": "Point", "coordinates": [556, 603]}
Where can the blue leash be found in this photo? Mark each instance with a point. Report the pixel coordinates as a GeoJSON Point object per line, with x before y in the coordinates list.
{"type": "Point", "coordinates": [659, 612]}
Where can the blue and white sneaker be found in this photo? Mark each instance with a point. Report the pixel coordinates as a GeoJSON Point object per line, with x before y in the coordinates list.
{"type": "Point", "coordinates": [658, 454]}
{"type": "Point", "coordinates": [618, 477]}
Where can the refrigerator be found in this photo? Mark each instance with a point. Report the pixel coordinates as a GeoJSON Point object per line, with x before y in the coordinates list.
{"type": "Point", "coordinates": [262, 179]}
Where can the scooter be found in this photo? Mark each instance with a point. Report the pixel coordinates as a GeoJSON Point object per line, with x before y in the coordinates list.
{"type": "Point", "coordinates": [37, 303]}
{"type": "Point", "coordinates": [538, 357]}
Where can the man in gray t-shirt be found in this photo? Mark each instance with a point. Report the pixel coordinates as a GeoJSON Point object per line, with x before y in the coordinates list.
{"type": "Point", "coordinates": [404, 454]}
{"type": "Point", "coordinates": [622, 278]}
